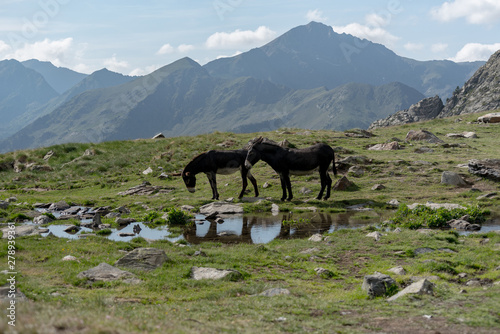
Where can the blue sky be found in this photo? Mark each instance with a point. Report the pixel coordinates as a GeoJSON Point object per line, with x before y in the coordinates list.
{"type": "Point", "coordinates": [137, 37]}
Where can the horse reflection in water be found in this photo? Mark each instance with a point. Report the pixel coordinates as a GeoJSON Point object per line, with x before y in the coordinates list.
{"type": "Point", "coordinates": [320, 223]}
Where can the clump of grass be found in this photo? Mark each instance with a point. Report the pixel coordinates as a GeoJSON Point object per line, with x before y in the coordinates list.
{"type": "Point", "coordinates": [178, 217]}
{"type": "Point", "coordinates": [423, 216]}
{"type": "Point", "coordinates": [104, 232]}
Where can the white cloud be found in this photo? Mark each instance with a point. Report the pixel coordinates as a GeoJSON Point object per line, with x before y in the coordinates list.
{"type": "Point", "coordinates": [474, 11]}
{"type": "Point", "coordinates": [238, 38]}
{"type": "Point", "coordinates": [115, 65]}
{"type": "Point", "coordinates": [315, 15]}
{"type": "Point", "coordinates": [169, 49]}
{"type": "Point", "coordinates": [475, 51]}
{"type": "Point", "coordinates": [413, 46]}
{"type": "Point", "coordinates": [4, 47]}
{"type": "Point", "coordinates": [166, 49]}
{"type": "Point", "coordinates": [439, 47]}
{"type": "Point", "coordinates": [59, 52]}
{"type": "Point", "coordinates": [372, 30]}
{"type": "Point", "coordinates": [185, 48]}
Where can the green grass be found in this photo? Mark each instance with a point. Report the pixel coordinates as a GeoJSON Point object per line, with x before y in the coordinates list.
{"type": "Point", "coordinates": [167, 300]}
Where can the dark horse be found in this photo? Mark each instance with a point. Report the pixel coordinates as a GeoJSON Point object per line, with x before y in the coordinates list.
{"type": "Point", "coordinates": [286, 161]}
{"type": "Point", "coordinates": [218, 162]}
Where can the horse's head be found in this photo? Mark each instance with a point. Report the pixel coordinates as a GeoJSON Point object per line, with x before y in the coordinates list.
{"type": "Point", "coordinates": [190, 181]}
{"type": "Point", "coordinates": [253, 155]}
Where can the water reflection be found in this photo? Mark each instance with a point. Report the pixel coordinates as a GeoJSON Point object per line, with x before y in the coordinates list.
{"type": "Point", "coordinates": [260, 229]}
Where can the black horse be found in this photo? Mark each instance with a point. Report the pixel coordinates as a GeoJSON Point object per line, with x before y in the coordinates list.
{"type": "Point", "coordinates": [218, 162]}
{"type": "Point", "coordinates": [286, 161]}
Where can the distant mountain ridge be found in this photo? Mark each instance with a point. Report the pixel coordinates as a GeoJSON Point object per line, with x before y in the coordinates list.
{"type": "Point", "coordinates": [21, 90]}
{"type": "Point", "coordinates": [314, 55]}
{"type": "Point", "coordinates": [59, 78]}
{"type": "Point", "coordinates": [310, 77]}
{"type": "Point", "coordinates": [183, 99]}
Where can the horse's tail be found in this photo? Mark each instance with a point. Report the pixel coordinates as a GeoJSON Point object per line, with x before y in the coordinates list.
{"type": "Point", "coordinates": [333, 163]}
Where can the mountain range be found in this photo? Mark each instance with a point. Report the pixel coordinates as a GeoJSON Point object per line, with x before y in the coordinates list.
{"type": "Point", "coordinates": [310, 77]}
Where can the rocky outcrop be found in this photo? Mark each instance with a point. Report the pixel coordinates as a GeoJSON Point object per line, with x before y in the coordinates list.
{"type": "Point", "coordinates": [143, 259]}
{"type": "Point", "coordinates": [105, 272]}
{"type": "Point", "coordinates": [426, 109]}
{"type": "Point", "coordinates": [488, 168]}
{"type": "Point", "coordinates": [480, 93]}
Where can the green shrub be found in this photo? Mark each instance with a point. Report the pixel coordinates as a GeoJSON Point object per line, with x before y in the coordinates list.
{"type": "Point", "coordinates": [423, 216]}
{"type": "Point", "coordinates": [178, 217]}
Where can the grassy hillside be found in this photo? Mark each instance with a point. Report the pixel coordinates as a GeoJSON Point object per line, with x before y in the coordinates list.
{"type": "Point", "coordinates": [167, 300]}
{"type": "Point", "coordinates": [116, 166]}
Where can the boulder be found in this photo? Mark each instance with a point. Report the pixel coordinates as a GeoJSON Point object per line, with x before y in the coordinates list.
{"type": "Point", "coordinates": [385, 147]}
{"type": "Point", "coordinates": [462, 135]}
{"type": "Point", "coordinates": [21, 231]}
{"type": "Point", "coordinates": [378, 284]}
{"type": "Point", "coordinates": [488, 168]}
{"type": "Point", "coordinates": [105, 272]}
{"type": "Point", "coordinates": [453, 179]}
{"type": "Point", "coordinates": [59, 206]}
{"type": "Point", "coordinates": [461, 224]}
{"type": "Point", "coordinates": [399, 270]}
{"type": "Point", "coordinates": [200, 273]}
{"type": "Point", "coordinates": [146, 189]}
{"type": "Point", "coordinates": [375, 235]}
{"type": "Point", "coordinates": [422, 135]}
{"type": "Point", "coordinates": [124, 221]}
{"type": "Point", "coordinates": [159, 136]}
{"type": "Point", "coordinates": [342, 184]}
{"type": "Point", "coordinates": [490, 118]}
{"type": "Point", "coordinates": [221, 208]}
{"type": "Point", "coordinates": [143, 259]}
{"type": "Point", "coordinates": [42, 219]}
{"type": "Point", "coordinates": [421, 287]}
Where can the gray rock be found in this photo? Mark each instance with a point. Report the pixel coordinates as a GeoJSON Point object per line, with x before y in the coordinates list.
{"type": "Point", "coordinates": [425, 109]}
{"type": "Point", "coordinates": [5, 291]}
{"type": "Point", "coordinates": [448, 206]}
{"type": "Point", "coordinates": [488, 168]}
{"type": "Point", "coordinates": [423, 250]}
{"type": "Point", "coordinates": [21, 231]}
{"type": "Point", "coordinates": [105, 272]}
{"type": "Point", "coordinates": [42, 219]}
{"type": "Point", "coordinates": [147, 171]}
{"type": "Point", "coordinates": [72, 229]}
{"type": "Point", "coordinates": [490, 118]}
{"type": "Point", "coordinates": [378, 187]}
{"type": "Point", "coordinates": [461, 224]}
{"type": "Point", "coordinates": [356, 171]}
{"type": "Point", "coordinates": [200, 273]}
{"type": "Point", "coordinates": [376, 235]}
{"type": "Point", "coordinates": [392, 146]}
{"type": "Point", "coordinates": [421, 287]}
{"type": "Point", "coordinates": [342, 184]}
{"type": "Point", "coordinates": [221, 208]}
{"type": "Point", "coordinates": [399, 270]}
{"type": "Point", "coordinates": [59, 206]}
{"type": "Point", "coordinates": [124, 221]}
{"type": "Point", "coordinates": [143, 259]}
{"type": "Point", "coordinates": [378, 284]}
{"type": "Point", "coordinates": [316, 237]}
{"type": "Point", "coordinates": [274, 292]}
{"type": "Point", "coordinates": [453, 179]}
{"type": "Point", "coordinates": [4, 205]}
{"type": "Point", "coordinates": [422, 135]}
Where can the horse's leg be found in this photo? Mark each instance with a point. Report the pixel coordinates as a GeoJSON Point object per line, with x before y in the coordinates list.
{"type": "Point", "coordinates": [213, 183]}
{"type": "Point", "coordinates": [254, 183]}
{"type": "Point", "coordinates": [289, 186]}
{"type": "Point", "coordinates": [323, 182]}
{"type": "Point", "coordinates": [328, 185]}
{"type": "Point", "coordinates": [244, 173]}
{"type": "Point", "coordinates": [283, 186]}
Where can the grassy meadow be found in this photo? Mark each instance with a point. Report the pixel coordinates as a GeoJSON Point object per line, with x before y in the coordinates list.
{"type": "Point", "coordinates": [169, 301]}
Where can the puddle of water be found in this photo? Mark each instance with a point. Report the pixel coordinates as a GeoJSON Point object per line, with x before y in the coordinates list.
{"type": "Point", "coordinates": [256, 229]}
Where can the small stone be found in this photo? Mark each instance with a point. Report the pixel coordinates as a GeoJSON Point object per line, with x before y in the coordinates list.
{"type": "Point", "coordinates": [316, 237]}
{"type": "Point", "coordinates": [399, 270]}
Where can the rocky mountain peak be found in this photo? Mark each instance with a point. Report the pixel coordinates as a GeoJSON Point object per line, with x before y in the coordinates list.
{"type": "Point", "coordinates": [480, 93]}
